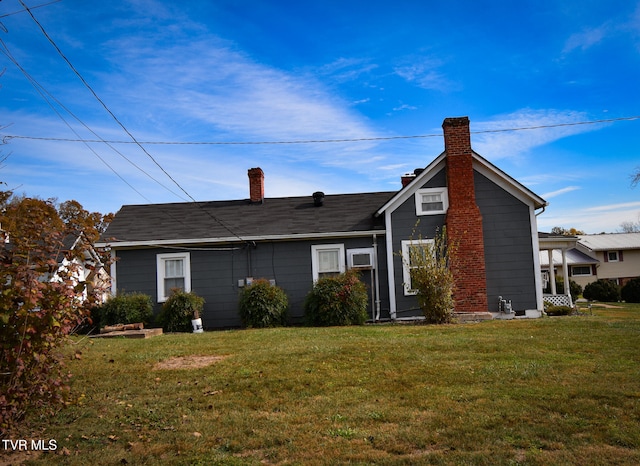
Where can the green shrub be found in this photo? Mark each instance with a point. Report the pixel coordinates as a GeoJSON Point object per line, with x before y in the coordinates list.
{"type": "Point", "coordinates": [178, 311]}
{"type": "Point", "coordinates": [432, 277]}
{"type": "Point", "coordinates": [631, 291]}
{"type": "Point", "coordinates": [337, 300]}
{"type": "Point", "coordinates": [558, 310]}
{"type": "Point", "coordinates": [602, 290]}
{"type": "Point", "coordinates": [128, 308]}
{"type": "Point", "coordinates": [263, 305]}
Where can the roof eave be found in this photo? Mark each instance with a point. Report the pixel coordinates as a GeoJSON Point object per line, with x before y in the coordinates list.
{"type": "Point", "coordinates": [117, 244]}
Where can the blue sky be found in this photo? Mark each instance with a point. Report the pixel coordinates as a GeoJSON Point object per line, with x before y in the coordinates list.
{"type": "Point", "coordinates": [263, 71]}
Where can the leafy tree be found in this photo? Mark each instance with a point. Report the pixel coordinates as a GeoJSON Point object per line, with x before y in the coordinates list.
{"type": "Point", "coordinates": [432, 277]}
{"type": "Point", "coordinates": [566, 232]}
{"type": "Point", "coordinates": [75, 217]}
{"type": "Point", "coordinates": [41, 302]}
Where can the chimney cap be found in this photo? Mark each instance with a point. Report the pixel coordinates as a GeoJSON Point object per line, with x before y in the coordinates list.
{"type": "Point", "coordinates": [456, 121]}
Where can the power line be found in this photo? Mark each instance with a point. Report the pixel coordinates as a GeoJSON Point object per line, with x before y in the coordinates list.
{"type": "Point", "coordinates": [42, 91]}
{"type": "Point", "coordinates": [95, 95]}
{"type": "Point", "coordinates": [319, 141]}
{"type": "Point", "coordinates": [33, 8]}
{"type": "Point", "coordinates": [124, 128]}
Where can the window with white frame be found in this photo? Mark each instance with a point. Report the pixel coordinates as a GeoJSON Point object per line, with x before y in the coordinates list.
{"type": "Point", "coordinates": [411, 249]}
{"type": "Point", "coordinates": [326, 260]}
{"type": "Point", "coordinates": [431, 201]}
{"type": "Point", "coordinates": [612, 256]}
{"type": "Point", "coordinates": [173, 272]}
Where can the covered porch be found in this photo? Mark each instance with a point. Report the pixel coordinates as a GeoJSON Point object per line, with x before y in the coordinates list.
{"type": "Point", "coordinates": [550, 246]}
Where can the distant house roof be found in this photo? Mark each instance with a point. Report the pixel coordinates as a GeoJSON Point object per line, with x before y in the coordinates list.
{"type": "Point", "coordinates": [574, 257]}
{"type": "Point", "coordinates": [610, 241]}
{"type": "Point", "coordinates": [241, 220]}
{"type": "Point", "coordinates": [554, 241]}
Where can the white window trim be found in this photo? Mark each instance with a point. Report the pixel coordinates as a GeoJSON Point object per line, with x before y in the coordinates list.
{"type": "Point", "coordinates": [163, 294]}
{"type": "Point", "coordinates": [609, 259]}
{"type": "Point", "coordinates": [315, 265]}
{"type": "Point", "coordinates": [418, 200]}
{"type": "Point", "coordinates": [406, 274]}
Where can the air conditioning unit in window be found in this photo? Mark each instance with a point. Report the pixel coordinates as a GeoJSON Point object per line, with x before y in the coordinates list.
{"type": "Point", "coordinates": [361, 258]}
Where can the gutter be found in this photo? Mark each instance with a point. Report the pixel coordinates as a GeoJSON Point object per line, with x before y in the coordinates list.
{"type": "Point", "coordinates": [234, 239]}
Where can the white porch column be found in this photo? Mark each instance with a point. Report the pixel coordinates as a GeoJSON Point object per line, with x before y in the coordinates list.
{"type": "Point", "coordinates": [552, 272]}
{"type": "Point", "coordinates": [565, 272]}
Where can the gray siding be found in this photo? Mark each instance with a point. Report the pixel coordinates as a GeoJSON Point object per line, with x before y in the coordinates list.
{"type": "Point", "coordinates": [215, 275]}
{"type": "Point", "coordinates": [508, 246]}
{"type": "Point", "coordinates": [406, 227]}
{"type": "Point", "coordinates": [507, 237]}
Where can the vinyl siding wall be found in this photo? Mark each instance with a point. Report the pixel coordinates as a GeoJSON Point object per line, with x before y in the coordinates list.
{"type": "Point", "coordinates": [215, 275]}
{"type": "Point", "coordinates": [406, 227]}
{"type": "Point", "coordinates": [508, 249]}
{"type": "Point", "coordinates": [507, 237]}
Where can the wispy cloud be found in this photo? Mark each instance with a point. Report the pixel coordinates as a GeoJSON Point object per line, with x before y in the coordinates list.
{"type": "Point", "coordinates": [208, 81]}
{"type": "Point", "coordinates": [347, 69]}
{"type": "Point", "coordinates": [586, 38]}
{"type": "Point", "coordinates": [612, 207]}
{"type": "Point", "coordinates": [425, 73]}
{"type": "Point", "coordinates": [559, 192]}
{"type": "Point", "coordinates": [520, 140]}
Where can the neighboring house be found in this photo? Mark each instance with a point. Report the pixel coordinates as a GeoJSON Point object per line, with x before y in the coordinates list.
{"type": "Point", "coordinates": [617, 256]}
{"type": "Point", "coordinates": [88, 267]}
{"type": "Point", "coordinates": [568, 263]}
{"type": "Point", "coordinates": [610, 256]}
{"type": "Point", "coordinates": [76, 253]}
{"type": "Point", "coordinates": [216, 248]}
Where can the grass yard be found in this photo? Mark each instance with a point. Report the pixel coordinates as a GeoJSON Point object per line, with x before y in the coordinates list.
{"type": "Point", "coordinates": [562, 390]}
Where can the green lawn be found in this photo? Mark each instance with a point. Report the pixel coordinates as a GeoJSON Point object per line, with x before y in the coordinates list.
{"type": "Point", "coordinates": [562, 390]}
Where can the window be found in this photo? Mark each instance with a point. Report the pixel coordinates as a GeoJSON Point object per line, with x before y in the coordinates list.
{"type": "Point", "coordinates": [410, 249]}
{"type": "Point", "coordinates": [173, 271]}
{"type": "Point", "coordinates": [431, 201]}
{"type": "Point", "coordinates": [612, 256]}
{"type": "Point", "coordinates": [580, 270]}
{"type": "Point", "coordinates": [327, 259]}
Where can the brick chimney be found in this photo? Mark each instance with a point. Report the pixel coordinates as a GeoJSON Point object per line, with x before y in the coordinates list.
{"type": "Point", "coordinates": [464, 221]}
{"type": "Point", "coordinates": [407, 178]}
{"type": "Point", "coordinates": [256, 185]}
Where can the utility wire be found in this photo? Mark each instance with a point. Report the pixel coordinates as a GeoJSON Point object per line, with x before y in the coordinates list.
{"type": "Point", "coordinates": [33, 8]}
{"type": "Point", "coordinates": [41, 90]}
{"type": "Point", "coordinates": [322, 141]}
{"type": "Point", "coordinates": [95, 95]}
{"type": "Point", "coordinates": [124, 128]}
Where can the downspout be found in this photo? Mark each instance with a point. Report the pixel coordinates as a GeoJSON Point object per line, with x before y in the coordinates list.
{"type": "Point", "coordinates": [112, 272]}
{"type": "Point", "coordinates": [377, 279]}
{"type": "Point", "coordinates": [390, 268]}
{"type": "Point", "coordinates": [536, 256]}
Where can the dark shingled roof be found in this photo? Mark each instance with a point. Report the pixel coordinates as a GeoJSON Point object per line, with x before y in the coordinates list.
{"type": "Point", "coordinates": [287, 216]}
